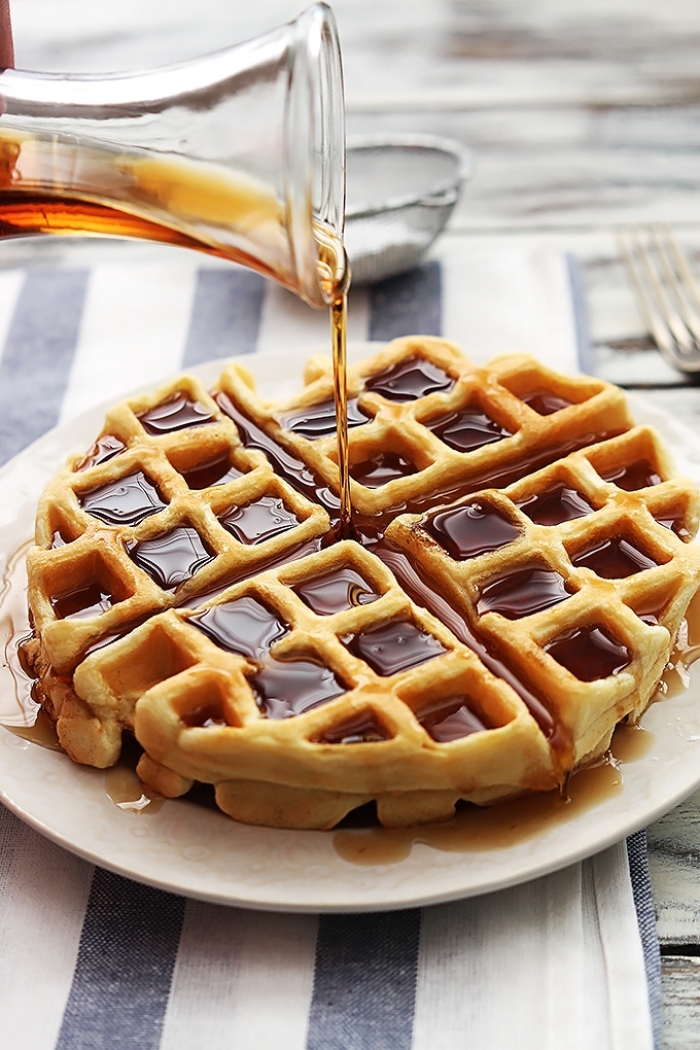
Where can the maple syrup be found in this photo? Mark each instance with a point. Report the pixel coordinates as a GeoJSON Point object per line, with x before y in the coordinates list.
{"type": "Point", "coordinates": [589, 653]}
{"type": "Point", "coordinates": [471, 529]}
{"type": "Point", "coordinates": [126, 501]}
{"type": "Point", "coordinates": [468, 429]}
{"type": "Point", "coordinates": [393, 647]}
{"type": "Point", "coordinates": [477, 829]}
{"type": "Point", "coordinates": [545, 402]}
{"type": "Point", "coordinates": [339, 309]}
{"type": "Point", "coordinates": [319, 420]}
{"type": "Point", "coordinates": [52, 186]}
{"type": "Point", "coordinates": [289, 687]}
{"type": "Point", "coordinates": [633, 476]}
{"type": "Point", "coordinates": [83, 603]}
{"type": "Point", "coordinates": [450, 719]}
{"type": "Point", "coordinates": [382, 468]}
{"type": "Point", "coordinates": [175, 413]}
{"type": "Point", "coordinates": [105, 448]}
{"type": "Point", "coordinates": [556, 505]}
{"type": "Point", "coordinates": [217, 471]}
{"type": "Point", "coordinates": [522, 593]}
{"type": "Point", "coordinates": [125, 790]}
{"type": "Point", "coordinates": [420, 591]}
{"type": "Point", "coordinates": [42, 732]}
{"type": "Point", "coordinates": [256, 522]}
{"type": "Point", "coordinates": [173, 558]}
{"type": "Point", "coordinates": [245, 626]}
{"type": "Point", "coordinates": [363, 728]}
{"type": "Point", "coordinates": [630, 742]}
{"type": "Point", "coordinates": [410, 379]}
{"type": "Point", "coordinates": [614, 559]}
{"type": "Point", "coordinates": [284, 463]}
{"type": "Point", "coordinates": [335, 591]}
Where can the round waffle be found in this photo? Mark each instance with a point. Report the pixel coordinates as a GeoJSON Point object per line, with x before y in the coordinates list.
{"type": "Point", "coordinates": [520, 572]}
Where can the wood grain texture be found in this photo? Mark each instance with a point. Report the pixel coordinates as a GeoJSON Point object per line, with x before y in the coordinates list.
{"type": "Point", "coordinates": [680, 982]}
{"type": "Point", "coordinates": [674, 862]}
{"type": "Point", "coordinates": [568, 167]}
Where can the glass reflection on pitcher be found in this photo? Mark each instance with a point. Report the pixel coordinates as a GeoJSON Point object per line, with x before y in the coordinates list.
{"type": "Point", "coordinates": [240, 154]}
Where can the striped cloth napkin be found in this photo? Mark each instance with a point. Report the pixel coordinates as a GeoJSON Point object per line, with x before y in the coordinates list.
{"type": "Point", "coordinates": [89, 959]}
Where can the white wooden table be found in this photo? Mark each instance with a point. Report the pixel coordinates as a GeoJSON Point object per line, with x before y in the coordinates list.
{"type": "Point", "coordinates": [584, 115]}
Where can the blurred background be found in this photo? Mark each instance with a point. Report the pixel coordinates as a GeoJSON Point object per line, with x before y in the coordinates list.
{"type": "Point", "coordinates": [583, 115]}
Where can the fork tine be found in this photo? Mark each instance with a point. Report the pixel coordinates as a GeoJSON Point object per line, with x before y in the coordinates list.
{"type": "Point", "coordinates": [650, 315]}
{"type": "Point", "coordinates": [663, 294]}
{"type": "Point", "coordinates": [688, 294]}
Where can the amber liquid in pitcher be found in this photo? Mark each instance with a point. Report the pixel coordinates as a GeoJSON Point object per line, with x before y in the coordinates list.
{"type": "Point", "coordinates": [53, 186]}
{"type": "Point", "coordinates": [50, 184]}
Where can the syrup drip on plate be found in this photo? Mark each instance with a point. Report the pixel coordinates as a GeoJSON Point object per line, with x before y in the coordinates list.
{"type": "Point", "coordinates": [475, 829]}
{"type": "Point", "coordinates": [125, 790]}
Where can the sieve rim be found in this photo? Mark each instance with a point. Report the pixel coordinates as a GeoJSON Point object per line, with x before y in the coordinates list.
{"type": "Point", "coordinates": [443, 193]}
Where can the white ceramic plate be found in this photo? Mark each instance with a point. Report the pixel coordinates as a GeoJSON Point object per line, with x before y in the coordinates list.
{"type": "Point", "coordinates": [203, 854]}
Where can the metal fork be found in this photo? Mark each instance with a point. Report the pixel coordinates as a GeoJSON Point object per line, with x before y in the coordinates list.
{"type": "Point", "coordinates": [666, 293]}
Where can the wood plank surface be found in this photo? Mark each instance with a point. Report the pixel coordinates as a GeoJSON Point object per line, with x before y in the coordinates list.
{"type": "Point", "coordinates": [680, 982]}
{"type": "Point", "coordinates": [674, 862]}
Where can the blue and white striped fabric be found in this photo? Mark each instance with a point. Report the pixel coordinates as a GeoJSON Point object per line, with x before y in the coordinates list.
{"type": "Point", "coordinates": [91, 960]}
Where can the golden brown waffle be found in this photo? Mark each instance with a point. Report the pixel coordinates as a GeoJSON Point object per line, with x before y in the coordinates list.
{"type": "Point", "coordinates": [266, 691]}
{"type": "Point", "coordinates": [425, 423]}
{"type": "Point", "coordinates": [570, 579]}
{"type": "Point", "coordinates": [152, 515]}
{"type": "Point", "coordinates": [487, 646]}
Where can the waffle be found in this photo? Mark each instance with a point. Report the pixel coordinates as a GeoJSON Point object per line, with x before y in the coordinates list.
{"type": "Point", "coordinates": [424, 424]}
{"type": "Point", "coordinates": [523, 570]}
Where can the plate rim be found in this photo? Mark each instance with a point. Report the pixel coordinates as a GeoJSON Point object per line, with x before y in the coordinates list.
{"type": "Point", "coordinates": [677, 436]}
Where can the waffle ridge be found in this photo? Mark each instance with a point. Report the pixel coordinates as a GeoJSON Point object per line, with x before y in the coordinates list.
{"type": "Point", "coordinates": [448, 665]}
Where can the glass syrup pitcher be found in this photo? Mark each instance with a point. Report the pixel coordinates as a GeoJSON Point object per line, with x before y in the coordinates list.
{"type": "Point", "coordinates": [240, 153]}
